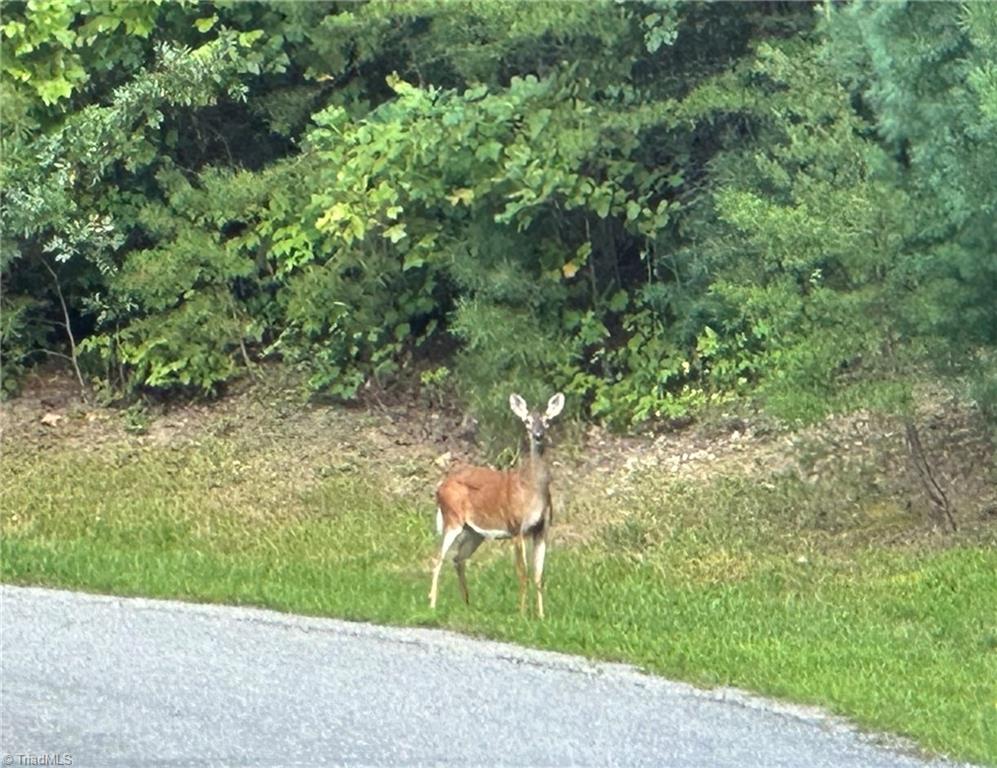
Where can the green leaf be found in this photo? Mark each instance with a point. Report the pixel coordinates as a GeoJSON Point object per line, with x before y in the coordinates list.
{"type": "Point", "coordinates": [463, 195]}
{"type": "Point", "coordinates": [51, 91]}
{"type": "Point", "coordinates": [334, 214]}
{"type": "Point", "coordinates": [473, 94]}
{"type": "Point", "coordinates": [490, 150]}
{"type": "Point", "coordinates": [619, 301]}
{"type": "Point", "coordinates": [205, 24]}
{"type": "Point", "coordinates": [246, 39]}
{"type": "Point", "coordinates": [396, 232]}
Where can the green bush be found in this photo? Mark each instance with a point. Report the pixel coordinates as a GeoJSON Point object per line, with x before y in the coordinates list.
{"type": "Point", "coordinates": [651, 206]}
{"type": "Point", "coordinates": [22, 335]}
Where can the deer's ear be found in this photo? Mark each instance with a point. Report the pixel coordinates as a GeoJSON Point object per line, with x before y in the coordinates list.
{"type": "Point", "coordinates": [519, 407]}
{"type": "Point", "coordinates": [554, 406]}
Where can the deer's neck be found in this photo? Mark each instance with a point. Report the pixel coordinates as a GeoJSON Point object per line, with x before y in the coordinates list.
{"type": "Point", "coordinates": [534, 469]}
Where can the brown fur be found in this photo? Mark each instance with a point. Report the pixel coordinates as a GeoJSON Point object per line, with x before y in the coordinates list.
{"type": "Point", "coordinates": [489, 499]}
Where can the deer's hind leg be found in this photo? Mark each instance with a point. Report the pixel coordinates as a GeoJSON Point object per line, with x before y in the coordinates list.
{"type": "Point", "coordinates": [466, 545]}
{"type": "Point", "coordinates": [449, 537]}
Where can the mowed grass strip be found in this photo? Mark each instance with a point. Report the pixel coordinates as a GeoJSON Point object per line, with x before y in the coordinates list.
{"type": "Point", "coordinates": [898, 640]}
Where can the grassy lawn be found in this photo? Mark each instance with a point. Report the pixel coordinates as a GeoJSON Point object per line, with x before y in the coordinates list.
{"type": "Point", "coordinates": [731, 582]}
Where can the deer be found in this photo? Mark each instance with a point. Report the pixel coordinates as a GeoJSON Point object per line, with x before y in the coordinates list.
{"type": "Point", "coordinates": [477, 503]}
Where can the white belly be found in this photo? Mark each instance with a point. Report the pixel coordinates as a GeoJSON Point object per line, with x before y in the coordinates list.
{"type": "Point", "coordinates": [489, 534]}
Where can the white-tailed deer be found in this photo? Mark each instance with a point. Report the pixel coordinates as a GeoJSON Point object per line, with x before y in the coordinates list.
{"type": "Point", "coordinates": [478, 503]}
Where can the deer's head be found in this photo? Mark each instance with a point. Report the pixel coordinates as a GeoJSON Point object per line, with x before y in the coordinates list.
{"type": "Point", "coordinates": [536, 422]}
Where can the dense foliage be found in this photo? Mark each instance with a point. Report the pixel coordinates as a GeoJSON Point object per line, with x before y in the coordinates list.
{"type": "Point", "coordinates": [650, 205]}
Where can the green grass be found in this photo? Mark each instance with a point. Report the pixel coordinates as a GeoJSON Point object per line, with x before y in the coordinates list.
{"type": "Point", "coordinates": [733, 583]}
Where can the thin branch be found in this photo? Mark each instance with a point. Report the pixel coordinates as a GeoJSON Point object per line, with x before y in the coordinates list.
{"type": "Point", "coordinates": [936, 496]}
{"type": "Point", "coordinates": [242, 347]}
{"type": "Point", "coordinates": [53, 353]}
{"type": "Point", "coordinates": [69, 329]}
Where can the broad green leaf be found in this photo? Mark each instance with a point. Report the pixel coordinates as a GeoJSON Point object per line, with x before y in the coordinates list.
{"type": "Point", "coordinates": [396, 232]}
{"type": "Point", "coordinates": [462, 195]}
{"type": "Point", "coordinates": [205, 24]}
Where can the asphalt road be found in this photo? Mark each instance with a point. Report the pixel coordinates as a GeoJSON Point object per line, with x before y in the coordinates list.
{"type": "Point", "coordinates": [104, 681]}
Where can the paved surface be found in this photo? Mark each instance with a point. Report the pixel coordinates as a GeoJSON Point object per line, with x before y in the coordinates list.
{"type": "Point", "coordinates": [107, 681]}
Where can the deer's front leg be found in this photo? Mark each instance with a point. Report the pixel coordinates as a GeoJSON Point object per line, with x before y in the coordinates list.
{"type": "Point", "coordinates": [539, 552]}
{"type": "Point", "coordinates": [520, 545]}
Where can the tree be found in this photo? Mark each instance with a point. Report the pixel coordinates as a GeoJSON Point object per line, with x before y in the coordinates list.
{"type": "Point", "coordinates": [927, 72]}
